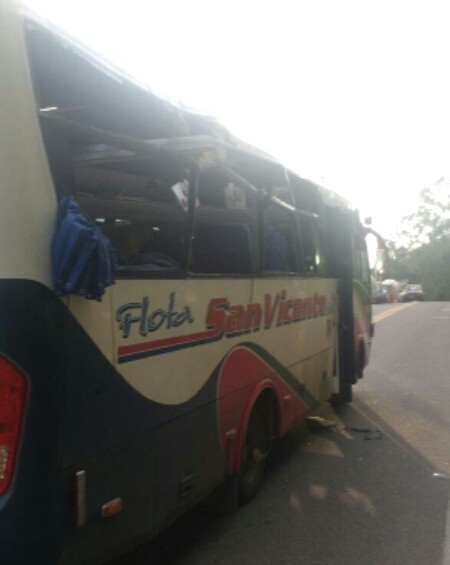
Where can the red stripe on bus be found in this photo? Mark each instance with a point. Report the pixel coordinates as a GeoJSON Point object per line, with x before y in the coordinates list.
{"type": "Point", "coordinates": [165, 342]}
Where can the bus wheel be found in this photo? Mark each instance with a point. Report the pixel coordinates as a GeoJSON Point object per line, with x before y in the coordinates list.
{"type": "Point", "coordinates": [258, 442]}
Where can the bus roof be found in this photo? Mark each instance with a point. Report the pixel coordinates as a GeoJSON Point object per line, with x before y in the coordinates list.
{"type": "Point", "coordinates": [188, 133]}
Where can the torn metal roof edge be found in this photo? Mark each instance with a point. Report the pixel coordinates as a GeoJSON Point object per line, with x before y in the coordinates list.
{"type": "Point", "coordinates": [118, 74]}
{"type": "Point", "coordinates": [119, 140]}
{"type": "Point", "coordinates": [67, 40]}
{"type": "Point", "coordinates": [188, 149]}
{"type": "Point", "coordinates": [199, 143]}
{"type": "Point", "coordinates": [333, 199]}
{"type": "Point", "coordinates": [31, 17]}
{"type": "Point", "coordinates": [185, 147]}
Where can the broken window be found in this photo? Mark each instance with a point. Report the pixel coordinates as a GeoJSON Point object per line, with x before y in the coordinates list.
{"type": "Point", "coordinates": [118, 150]}
{"type": "Point", "coordinates": [224, 227]}
{"type": "Point", "coordinates": [99, 133]}
{"type": "Point", "coordinates": [280, 240]}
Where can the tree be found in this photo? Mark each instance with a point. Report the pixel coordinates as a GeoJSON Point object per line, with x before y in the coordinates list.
{"type": "Point", "coordinates": [423, 257]}
{"type": "Point", "coordinates": [431, 220]}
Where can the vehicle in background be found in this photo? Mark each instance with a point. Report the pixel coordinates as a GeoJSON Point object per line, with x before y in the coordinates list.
{"type": "Point", "coordinates": [391, 289]}
{"type": "Point", "coordinates": [378, 293]}
{"type": "Point", "coordinates": [412, 292]}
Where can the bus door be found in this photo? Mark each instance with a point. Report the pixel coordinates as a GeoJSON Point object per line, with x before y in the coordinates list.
{"type": "Point", "coordinates": [354, 301]}
{"type": "Point", "coordinates": [342, 222]}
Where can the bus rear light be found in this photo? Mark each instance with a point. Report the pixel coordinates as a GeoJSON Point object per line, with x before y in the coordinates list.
{"type": "Point", "coordinates": [12, 400]}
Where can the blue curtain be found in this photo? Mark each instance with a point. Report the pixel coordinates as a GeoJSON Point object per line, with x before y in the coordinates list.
{"type": "Point", "coordinates": [82, 257]}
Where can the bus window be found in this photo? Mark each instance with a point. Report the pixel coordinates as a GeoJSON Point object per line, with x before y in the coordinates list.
{"type": "Point", "coordinates": [306, 195]}
{"type": "Point", "coordinates": [148, 245]}
{"type": "Point", "coordinates": [140, 204]}
{"type": "Point", "coordinates": [225, 219]}
{"type": "Point", "coordinates": [360, 255]}
{"type": "Point", "coordinates": [308, 243]}
{"type": "Point", "coordinates": [279, 239]}
{"type": "Point", "coordinates": [96, 131]}
{"type": "Point", "coordinates": [144, 217]}
{"type": "Point", "coordinates": [308, 205]}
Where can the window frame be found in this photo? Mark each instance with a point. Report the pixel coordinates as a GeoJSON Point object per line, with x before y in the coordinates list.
{"type": "Point", "coordinates": [251, 191]}
{"type": "Point", "coordinates": [267, 201]}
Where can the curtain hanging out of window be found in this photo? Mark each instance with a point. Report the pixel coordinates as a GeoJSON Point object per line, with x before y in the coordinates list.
{"type": "Point", "coordinates": [82, 257]}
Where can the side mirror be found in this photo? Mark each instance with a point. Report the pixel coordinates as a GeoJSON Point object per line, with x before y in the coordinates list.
{"type": "Point", "coordinates": [378, 252]}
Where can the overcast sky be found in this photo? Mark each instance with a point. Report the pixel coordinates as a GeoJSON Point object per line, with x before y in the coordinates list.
{"type": "Point", "coordinates": [353, 94]}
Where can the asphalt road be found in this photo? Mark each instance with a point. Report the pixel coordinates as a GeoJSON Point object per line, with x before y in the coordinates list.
{"type": "Point", "coordinates": [343, 496]}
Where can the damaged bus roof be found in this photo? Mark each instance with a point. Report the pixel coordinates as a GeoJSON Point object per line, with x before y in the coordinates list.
{"type": "Point", "coordinates": [120, 116]}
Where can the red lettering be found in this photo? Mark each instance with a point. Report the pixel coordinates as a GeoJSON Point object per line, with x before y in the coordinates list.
{"type": "Point", "coordinates": [321, 306]}
{"type": "Point", "coordinates": [287, 316]}
{"type": "Point", "coordinates": [215, 315]}
{"type": "Point", "coordinates": [298, 309]}
{"type": "Point", "coordinates": [283, 313]}
{"type": "Point", "coordinates": [238, 319]}
{"type": "Point", "coordinates": [308, 308]}
{"type": "Point", "coordinates": [235, 320]}
{"type": "Point", "coordinates": [270, 309]}
{"type": "Point", "coordinates": [253, 317]}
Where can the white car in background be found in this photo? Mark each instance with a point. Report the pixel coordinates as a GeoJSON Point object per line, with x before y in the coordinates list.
{"type": "Point", "coordinates": [412, 292]}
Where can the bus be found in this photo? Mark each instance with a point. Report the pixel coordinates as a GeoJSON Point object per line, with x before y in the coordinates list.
{"type": "Point", "coordinates": [172, 302]}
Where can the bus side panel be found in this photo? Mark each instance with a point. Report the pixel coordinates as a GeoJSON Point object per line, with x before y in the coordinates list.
{"type": "Point", "coordinates": [291, 353]}
{"type": "Point", "coordinates": [189, 463]}
{"type": "Point", "coordinates": [302, 318]}
{"type": "Point", "coordinates": [177, 453]}
{"type": "Point", "coordinates": [30, 524]}
{"type": "Point", "coordinates": [171, 335]}
{"type": "Point", "coordinates": [158, 475]}
{"type": "Point", "coordinates": [125, 472]}
{"type": "Point", "coordinates": [82, 415]}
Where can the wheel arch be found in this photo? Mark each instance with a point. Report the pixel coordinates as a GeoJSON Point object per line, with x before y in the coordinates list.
{"type": "Point", "coordinates": [266, 393]}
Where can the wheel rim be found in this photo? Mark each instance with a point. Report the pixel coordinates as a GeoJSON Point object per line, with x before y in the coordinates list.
{"type": "Point", "coordinates": [253, 459]}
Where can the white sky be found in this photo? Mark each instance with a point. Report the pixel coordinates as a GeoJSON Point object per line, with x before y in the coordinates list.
{"type": "Point", "coordinates": [351, 93]}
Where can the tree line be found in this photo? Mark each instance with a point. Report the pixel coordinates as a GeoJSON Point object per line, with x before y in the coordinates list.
{"type": "Point", "coordinates": [421, 251]}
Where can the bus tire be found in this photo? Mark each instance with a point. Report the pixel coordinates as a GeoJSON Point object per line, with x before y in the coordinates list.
{"type": "Point", "coordinates": [257, 446]}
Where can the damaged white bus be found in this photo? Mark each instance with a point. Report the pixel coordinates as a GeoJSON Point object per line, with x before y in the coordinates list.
{"type": "Point", "coordinates": [172, 301]}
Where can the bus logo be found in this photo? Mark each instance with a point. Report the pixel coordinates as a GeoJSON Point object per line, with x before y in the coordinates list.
{"type": "Point", "coordinates": [222, 319]}
{"type": "Point", "coordinates": [147, 322]}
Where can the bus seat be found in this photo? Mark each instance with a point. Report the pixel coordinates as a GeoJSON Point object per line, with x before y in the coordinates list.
{"type": "Point", "coordinates": [275, 251]}
{"type": "Point", "coordinates": [166, 242]}
{"type": "Point", "coordinates": [224, 248]}
{"type": "Point", "coordinates": [163, 250]}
